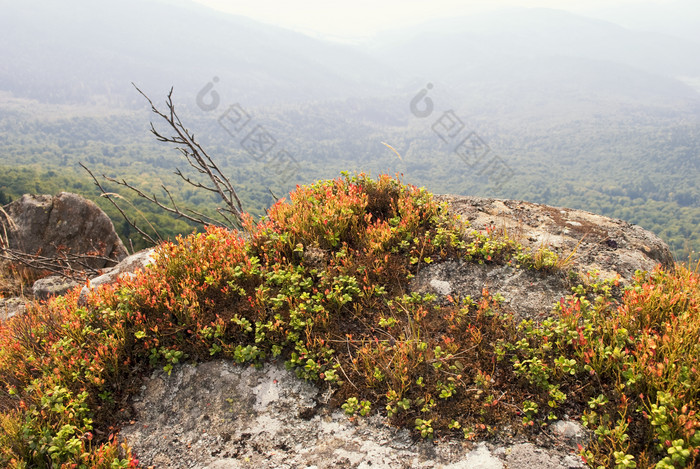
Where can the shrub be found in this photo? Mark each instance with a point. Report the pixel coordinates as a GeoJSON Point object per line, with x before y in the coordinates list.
{"type": "Point", "coordinates": [329, 270]}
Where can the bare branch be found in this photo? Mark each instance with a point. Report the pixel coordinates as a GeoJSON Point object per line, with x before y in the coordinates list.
{"type": "Point", "coordinates": [73, 266]}
{"type": "Point", "coordinates": [200, 218]}
{"type": "Point", "coordinates": [109, 196]}
{"type": "Point", "coordinates": [230, 212]}
{"type": "Point", "coordinates": [198, 158]}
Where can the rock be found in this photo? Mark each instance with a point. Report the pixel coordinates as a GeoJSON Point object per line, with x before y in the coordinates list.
{"type": "Point", "coordinates": [11, 307]}
{"type": "Point", "coordinates": [63, 224]}
{"type": "Point", "coordinates": [218, 415]}
{"type": "Point", "coordinates": [54, 285]}
{"type": "Point", "coordinates": [589, 242]}
{"type": "Point", "coordinates": [527, 455]}
{"type": "Point", "coordinates": [128, 266]}
{"type": "Point", "coordinates": [571, 432]}
{"type": "Point", "coordinates": [593, 241]}
{"type": "Point", "coordinates": [527, 293]}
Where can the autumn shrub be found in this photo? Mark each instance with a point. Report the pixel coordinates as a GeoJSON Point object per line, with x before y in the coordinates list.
{"type": "Point", "coordinates": [56, 367]}
{"type": "Point", "coordinates": [631, 366]}
{"type": "Point", "coordinates": [322, 283]}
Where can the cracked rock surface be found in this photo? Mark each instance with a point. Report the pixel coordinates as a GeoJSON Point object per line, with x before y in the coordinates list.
{"type": "Point", "coordinates": [219, 415]}
{"type": "Point", "coordinates": [590, 242]}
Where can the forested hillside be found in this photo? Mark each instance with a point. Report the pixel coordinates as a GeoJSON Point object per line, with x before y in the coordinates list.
{"type": "Point", "coordinates": [531, 104]}
{"type": "Point", "coordinates": [644, 171]}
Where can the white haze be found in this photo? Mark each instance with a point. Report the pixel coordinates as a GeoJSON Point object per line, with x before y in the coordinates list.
{"type": "Point", "coordinates": [362, 20]}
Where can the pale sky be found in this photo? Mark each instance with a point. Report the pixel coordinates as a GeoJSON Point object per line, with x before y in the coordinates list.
{"type": "Point", "coordinates": [358, 19]}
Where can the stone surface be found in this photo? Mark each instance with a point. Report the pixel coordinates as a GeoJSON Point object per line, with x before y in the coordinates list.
{"type": "Point", "coordinates": [528, 293]}
{"type": "Point", "coordinates": [593, 241]}
{"type": "Point", "coordinates": [128, 266]}
{"type": "Point", "coordinates": [11, 307]}
{"type": "Point", "coordinates": [54, 285]}
{"type": "Point", "coordinates": [590, 242]}
{"type": "Point", "coordinates": [527, 455]}
{"type": "Point", "coordinates": [218, 415]}
{"type": "Point", "coordinates": [571, 432]}
{"type": "Point", "coordinates": [63, 224]}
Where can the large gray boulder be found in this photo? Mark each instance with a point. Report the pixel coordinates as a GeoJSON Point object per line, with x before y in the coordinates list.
{"type": "Point", "coordinates": [65, 224]}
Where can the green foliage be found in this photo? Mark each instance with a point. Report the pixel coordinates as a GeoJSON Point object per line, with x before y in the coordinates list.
{"type": "Point", "coordinates": [352, 406]}
{"type": "Point", "coordinates": [642, 354]}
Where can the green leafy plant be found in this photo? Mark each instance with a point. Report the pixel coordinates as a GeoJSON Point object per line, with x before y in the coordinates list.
{"type": "Point", "coordinates": [352, 406]}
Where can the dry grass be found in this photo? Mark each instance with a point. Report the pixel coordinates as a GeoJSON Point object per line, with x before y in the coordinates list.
{"type": "Point", "coordinates": [15, 281]}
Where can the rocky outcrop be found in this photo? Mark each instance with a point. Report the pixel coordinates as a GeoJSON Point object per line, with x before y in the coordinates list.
{"type": "Point", "coordinates": [218, 415]}
{"type": "Point", "coordinates": [54, 285]}
{"type": "Point", "coordinates": [594, 242]}
{"type": "Point", "coordinates": [65, 224]}
{"type": "Point", "coordinates": [583, 241]}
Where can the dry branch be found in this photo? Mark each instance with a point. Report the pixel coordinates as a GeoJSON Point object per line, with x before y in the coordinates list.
{"type": "Point", "coordinates": [197, 158]}
{"type": "Point", "coordinates": [230, 212]}
{"type": "Point", "coordinates": [73, 266]}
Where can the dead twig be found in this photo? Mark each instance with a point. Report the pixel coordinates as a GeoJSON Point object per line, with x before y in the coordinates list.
{"type": "Point", "coordinates": [109, 196]}
{"type": "Point", "coordinates": [197, 158]}
{"type": "Point", "coordinates": [230, 213]}
{"type": "Point", "coordinates": [73, 266]}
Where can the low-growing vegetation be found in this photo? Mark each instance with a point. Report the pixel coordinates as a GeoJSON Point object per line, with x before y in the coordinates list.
{"type": "Point", "coordinates": [322, 283]}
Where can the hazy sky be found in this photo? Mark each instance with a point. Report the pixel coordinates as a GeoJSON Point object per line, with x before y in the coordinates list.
{"type": "Point", "coordinates": [363, 18]}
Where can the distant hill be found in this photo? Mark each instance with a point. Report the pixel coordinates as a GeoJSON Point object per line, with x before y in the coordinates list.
{"type": "Point", "coordinates": [516, 55]}
{"type": "Point", "coordinates": [82, 51]}
{"type": "Point", "coordinates": [75, 52]}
